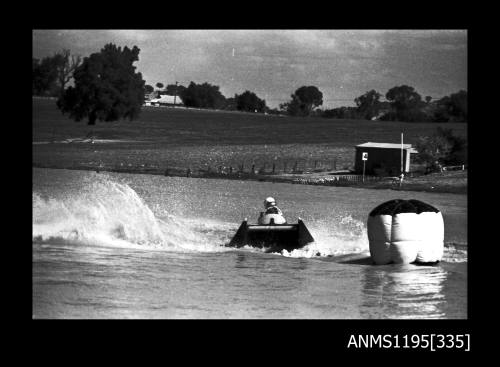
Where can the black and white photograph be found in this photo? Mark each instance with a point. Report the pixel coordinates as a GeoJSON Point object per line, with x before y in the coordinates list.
{"type": "Point", "coordinates": [250, 174]}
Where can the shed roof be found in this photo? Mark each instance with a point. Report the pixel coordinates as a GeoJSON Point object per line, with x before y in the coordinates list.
{"type": "Point", "coordinates": [387, 146]}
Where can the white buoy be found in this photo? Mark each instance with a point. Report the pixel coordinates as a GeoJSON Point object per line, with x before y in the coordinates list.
{"type": "Point", "coordinates": [405, 231]}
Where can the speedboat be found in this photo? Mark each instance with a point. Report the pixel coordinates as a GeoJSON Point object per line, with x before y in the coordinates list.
{"type": "Point", "coordinates": [272, 233]}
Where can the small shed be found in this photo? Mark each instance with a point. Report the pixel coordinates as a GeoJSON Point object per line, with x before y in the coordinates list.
{"type": "Point", "coordinates": [383, 159]}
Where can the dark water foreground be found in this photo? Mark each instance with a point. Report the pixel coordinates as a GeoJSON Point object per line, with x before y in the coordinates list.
{"type": "Point", "coordinates": [97, 282]}
{"type": "Point", "coordinates": [140, 246]}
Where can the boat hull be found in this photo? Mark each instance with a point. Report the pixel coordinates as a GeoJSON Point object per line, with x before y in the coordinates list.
{"type": "Point", "coordinates": [272, 237]}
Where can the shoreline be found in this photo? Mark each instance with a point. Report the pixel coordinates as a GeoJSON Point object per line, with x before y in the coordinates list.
{"type": "Point", "coordinates": [318, 179]}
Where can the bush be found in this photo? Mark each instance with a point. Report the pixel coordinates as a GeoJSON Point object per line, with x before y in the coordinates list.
{"type": "Point", "coordinates": [203, 96]}
{"type": "Point", "coordinates": [442, 148]}
{"type": "Point", "coordinates": [248, 101]}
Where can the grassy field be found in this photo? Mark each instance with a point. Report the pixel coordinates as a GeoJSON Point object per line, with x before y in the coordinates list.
{"type": "Point", "coordinates": [201, 140]}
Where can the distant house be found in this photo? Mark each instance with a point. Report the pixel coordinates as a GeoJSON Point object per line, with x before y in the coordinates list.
{"type": "Point", "coordinates": [383, 159]}
{"type": "Point", "coordinates": [164, 100]}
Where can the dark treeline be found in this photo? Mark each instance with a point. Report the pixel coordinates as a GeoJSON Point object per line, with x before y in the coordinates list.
{"type": "Point", "coordinates": [403, 103]}
{"type": "Point", "coordinates": [107, 87]}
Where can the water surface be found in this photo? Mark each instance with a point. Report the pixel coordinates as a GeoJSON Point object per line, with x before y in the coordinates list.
{"type": "Point", "coordinates": [141, 246]}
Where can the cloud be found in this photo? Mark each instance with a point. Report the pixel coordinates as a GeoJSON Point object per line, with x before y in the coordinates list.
{"type": "Point", "coordinates": [133, 34]}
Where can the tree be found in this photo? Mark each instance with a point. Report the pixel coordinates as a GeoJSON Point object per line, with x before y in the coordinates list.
{"type": "Point", "coordinates": [458, 152]}
{"type": "Point", "coordinates": [202, 96]}
{"type": "Point", "coordinates": [248, 101]}
{"type": "Point", "coordinates": [341, 113]}
{"type": "Point", "coordinates": [53, 73]}
{"type": "Point", "coordinates": [159, 85]}
{"type": "Point", "coordinates": [38, 78]}
{"type": "Point", "coordinates": [148, 89]}
{"type": "Point", "coordinates": [293, 107]}
{"type": "Point", "coordinates": [44, 77]}
{"type": "Point", "coordinates": [441, 148]}
{"type": "Point", "coordinates": [230, 103]}
{"type": "Point", "coordinates": [309, 98]}
{"type": "Point", "coordinates": [303, 101]}
{"type": "Point", "coordinates": [452, 108]}
{"type": "Point", "coordinates": [458, 105]}
{"type": "Point", "coordinates": [174, 89]}
{"type": "Point", "coordinates": [107, 87]}
{"type": "Point", "coordinates": [406, 103]}
{"type": "Point", "coordinates": [66, 65]}
{"type": "Point", "coordinates": [368, 104]}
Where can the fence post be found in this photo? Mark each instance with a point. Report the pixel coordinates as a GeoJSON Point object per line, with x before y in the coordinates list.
{"type": "Point", "coordinates": [274, 168]}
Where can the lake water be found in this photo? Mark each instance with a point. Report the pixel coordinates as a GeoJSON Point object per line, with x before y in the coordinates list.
{"type": "Point", "coordinates": [110, 245]}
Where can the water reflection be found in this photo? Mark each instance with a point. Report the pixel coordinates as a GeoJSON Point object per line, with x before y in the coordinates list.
{"type": "Point", "coordinates": [269, 279]}
{"type": "Point", "coordinates": [403, 291]}
{"type": "Point", "coordinates": [259, 261]}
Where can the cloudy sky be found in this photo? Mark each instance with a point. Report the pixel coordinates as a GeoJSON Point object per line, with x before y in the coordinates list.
{"type": "Point", "coordinates": [343, 64]}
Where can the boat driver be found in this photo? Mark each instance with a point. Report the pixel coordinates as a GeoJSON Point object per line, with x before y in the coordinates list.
{"type": "Point", "coordinates": [270, 206]}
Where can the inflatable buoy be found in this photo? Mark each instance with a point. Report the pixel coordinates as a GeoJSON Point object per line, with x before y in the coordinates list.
{"type": "Point", "coordinates": [405, 231]}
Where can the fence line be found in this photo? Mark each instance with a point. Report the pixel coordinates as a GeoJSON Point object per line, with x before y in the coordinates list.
{"type": "Point", "coordinates": [292, 166]}
{"type": "Point", "coordinates": [337, 179]}
{"type": "Point", "coordinates": [455, 168]}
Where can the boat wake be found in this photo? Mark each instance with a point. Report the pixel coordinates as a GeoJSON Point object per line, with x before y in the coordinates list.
{"type": "Point", "coordinates": [338, 235]}
{"type": "Point", "coordinates": [108, 213]}
{"type": "Point", "coordinates": [103, 212]}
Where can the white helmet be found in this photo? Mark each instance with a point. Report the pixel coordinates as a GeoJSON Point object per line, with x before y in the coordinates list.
{"type": "Point", "coordinates": [269, 201]}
